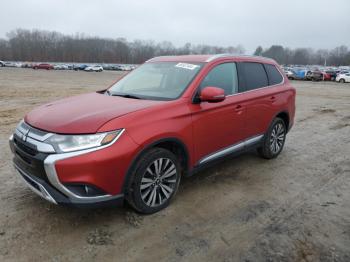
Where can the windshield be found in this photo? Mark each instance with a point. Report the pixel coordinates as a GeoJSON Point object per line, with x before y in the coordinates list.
{"type": "Point", "coordinates": [159, 81]}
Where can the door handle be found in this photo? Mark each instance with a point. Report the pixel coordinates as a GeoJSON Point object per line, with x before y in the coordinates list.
{"type": "Point", "coordinates": [239, 108]}
{"type": "Point", "coordinates": [272, 98]}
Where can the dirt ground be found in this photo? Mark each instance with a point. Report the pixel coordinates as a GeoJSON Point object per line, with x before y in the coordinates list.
{"type": "Point", "coordinates": [293, 208]}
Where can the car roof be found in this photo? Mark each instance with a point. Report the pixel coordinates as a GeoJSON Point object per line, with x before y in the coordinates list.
{"type": "Point", "coordinates": [210, 58]}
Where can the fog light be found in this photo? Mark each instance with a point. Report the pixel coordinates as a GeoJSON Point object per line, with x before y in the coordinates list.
{"type": "Point", "coordinates": [85, 190]}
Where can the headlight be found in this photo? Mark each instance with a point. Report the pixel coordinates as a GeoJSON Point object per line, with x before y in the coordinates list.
{"type": "Point", "coordinates": [69, 143]}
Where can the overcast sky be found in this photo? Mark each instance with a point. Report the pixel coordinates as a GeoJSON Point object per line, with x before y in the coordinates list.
{"type": "Point", "coordinates": [292, 23]}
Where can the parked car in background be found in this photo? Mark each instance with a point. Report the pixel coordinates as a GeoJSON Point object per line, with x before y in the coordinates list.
{"type": "Point", "coordinates": [2, 64]}
{"type": "Point", "coordinates": [61, 67]}
{"type": "Point", "coordinates": [108, 67]}
{"type": "Point", "coordinates": [135, 140]}
{"type": "Point", "coordinates": [9, 64]}
{"type": "Point", "coordinates": [300, 74]}
{"type": "Point", "coordinates": [332, 74]}
{"type": "Point", "coordinates": [326, 76]}
{"type": "Point", "coordinates": [118, 68]}
{"type": "Point", "coordinates": [27, 65]}
{"type": "Point", "coordinates": [94, 68]}
{"type": "Point", "coordinates": [43, 66]}
{"type": "Point", "coordinates": [79, 67]}
{"type": "Point", "coordinates": [314, 76]}
{"type": "Point", "coordinates": [128, 67]}
{"type": "Point", "coordinates": [290, 74]}
{"type": "Point", "coordinates": [342, 72]}
{"type": "Point", "coordinates": [342, 78]}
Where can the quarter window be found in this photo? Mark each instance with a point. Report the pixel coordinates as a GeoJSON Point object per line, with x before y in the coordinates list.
{"type": "Point", "coordinates": [223, 76]}
{"type": "Point", "coordinates": [274, 75]}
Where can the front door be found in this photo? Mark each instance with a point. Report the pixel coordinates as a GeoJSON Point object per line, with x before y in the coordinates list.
{"type": "Point", "coordinates": [217, 126]}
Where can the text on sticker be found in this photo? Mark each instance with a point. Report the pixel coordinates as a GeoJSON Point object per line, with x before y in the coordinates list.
{"type": "Point", "coordinates": [187, 66]}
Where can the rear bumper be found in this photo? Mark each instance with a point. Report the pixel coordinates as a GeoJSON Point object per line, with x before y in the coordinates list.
{"type": "Point", "coordinates": [49, 193]}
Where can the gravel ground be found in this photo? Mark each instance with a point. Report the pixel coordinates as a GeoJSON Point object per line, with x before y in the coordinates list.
{"type": "Point", "coordinates": [293, 208]}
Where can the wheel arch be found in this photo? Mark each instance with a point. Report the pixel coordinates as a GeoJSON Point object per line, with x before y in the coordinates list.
{"type": "Point", "coordinates": [284, 115]}
{"type": "Point", "coordinates": [174, 145]}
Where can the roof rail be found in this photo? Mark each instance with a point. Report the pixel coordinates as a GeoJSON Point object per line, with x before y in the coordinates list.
{"type": "Point", "coordinates": [230, 55]}
{"type": "Point", "coordinates": [213, 57]}
{"type": "Point", "coordinates": [149, 60]}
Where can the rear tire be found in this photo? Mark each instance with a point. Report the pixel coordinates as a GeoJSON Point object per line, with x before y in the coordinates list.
{"type": "Point", "coordinates": [273, 140]}
{"type": "Point", "coordinates": [155, 181]}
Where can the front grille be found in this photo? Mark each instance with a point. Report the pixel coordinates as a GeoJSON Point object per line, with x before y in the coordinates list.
{"type": "Point", "coordinates": [28, 156]}
{"type": "Point", "coordinates": [29, 159]}
{"type": "Point", "coordinates": [24, 147]}
{"type": "Point", "coordinates": [23, 157]}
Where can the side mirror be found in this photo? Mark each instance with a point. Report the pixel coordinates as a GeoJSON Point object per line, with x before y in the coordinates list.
{"type": "Point", "coordinates": [212, 94]}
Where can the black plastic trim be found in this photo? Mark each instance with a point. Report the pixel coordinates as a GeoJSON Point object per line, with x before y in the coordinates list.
{"type": "Point", "coordinates": [61, 199]}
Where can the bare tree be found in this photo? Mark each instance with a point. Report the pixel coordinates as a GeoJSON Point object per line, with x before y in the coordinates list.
{"type": "Point", "coordinates": [307, 56]}
{"type": "Point", "coordinates": [39, 45]}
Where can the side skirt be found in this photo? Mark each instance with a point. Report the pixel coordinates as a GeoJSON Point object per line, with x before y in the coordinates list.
{"type": "Point", "coordinates": [231, 151]}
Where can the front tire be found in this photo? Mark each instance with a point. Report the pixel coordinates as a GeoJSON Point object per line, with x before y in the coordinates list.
{"type": "Point", "coordinates": [273, 140]}
{"type": "Point", "coordinates": [155, 181]}
{"type": "Point", "coordinates": [342, 81]}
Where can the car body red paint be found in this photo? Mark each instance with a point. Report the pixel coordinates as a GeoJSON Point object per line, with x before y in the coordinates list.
{"type": "Point", "coordinates": [43, 66]}
{"type": "Point", "coordinates": [326, 76]}
{"type": "Point", "coordinates": [201, 128]}
{"type": "Point", "coordinates": [87, 113]}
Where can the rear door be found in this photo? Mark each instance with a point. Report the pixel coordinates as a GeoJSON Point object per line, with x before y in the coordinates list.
{"type": "Point", "coordinates": [262, 95]}
{"type": "Point", "coordinates": [218, 125]}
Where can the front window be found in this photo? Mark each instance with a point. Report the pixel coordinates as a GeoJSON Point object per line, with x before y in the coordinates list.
{"type": "Point", "coordinates": [158, 81]}
{"type": "Point", "coordinates": [223, 76]}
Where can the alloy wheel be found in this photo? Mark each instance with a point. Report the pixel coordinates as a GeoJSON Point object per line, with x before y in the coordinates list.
{"type": "Point", "coordinates": [277, 138]}
{"type": "Point", "coordinates": [158, 182]}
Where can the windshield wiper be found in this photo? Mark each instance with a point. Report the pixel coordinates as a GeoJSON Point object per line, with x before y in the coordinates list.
{"type": "Point", "coordinates": [126, 96]}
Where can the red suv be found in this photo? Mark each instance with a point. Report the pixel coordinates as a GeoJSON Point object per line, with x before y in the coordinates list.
{"type": "Point", "coordinates": [168, 118]}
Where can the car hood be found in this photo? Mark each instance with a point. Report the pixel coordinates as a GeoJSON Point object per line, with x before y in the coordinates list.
{"type": "Point", "coordinates": [83, 114]}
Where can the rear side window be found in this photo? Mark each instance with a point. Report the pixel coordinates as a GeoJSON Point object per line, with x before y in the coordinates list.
{"type": "Point", "coordinates": [254, 75]}
{"type": "Point", "coordinates": [223, 76]}
{"type": "Point", "coordinates": [274, 75]}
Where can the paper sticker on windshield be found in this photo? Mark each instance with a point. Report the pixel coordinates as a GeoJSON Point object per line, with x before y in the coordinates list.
{"type": "Point", "coordinates": [187, 66]}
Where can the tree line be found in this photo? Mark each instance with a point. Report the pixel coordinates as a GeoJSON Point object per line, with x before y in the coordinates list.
{"type": "Point", "coordinates": [49, 46]}
{"type": "Point", "coordinates": [39, 45]}
{"type": "Point", "coordinates": [306, 56]}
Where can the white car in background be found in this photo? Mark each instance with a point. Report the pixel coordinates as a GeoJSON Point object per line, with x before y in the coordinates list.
{"type": "Point", "coordinates": [94, 68]}
{"type": "Point", "coordinates": [289, 74]}
{"type": "Point", "coordinates": [10, 64]}
{"type": "Point", "coordinates": [61, 67]}
{"type": "Point", "coordinates": [342, 78]}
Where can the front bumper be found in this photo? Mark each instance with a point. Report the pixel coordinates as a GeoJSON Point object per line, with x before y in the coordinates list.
{"type": "Point", "coordinates": [51, 194]}
{"type": "Point", "coordinates": [50, 175]}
